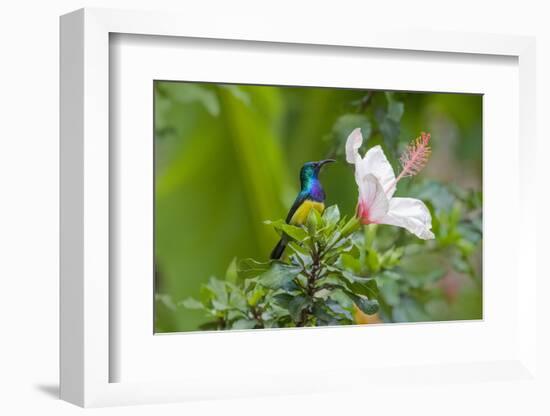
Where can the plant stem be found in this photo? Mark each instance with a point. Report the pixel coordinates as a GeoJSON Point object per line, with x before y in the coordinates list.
{"type": "Point", "coordinates": [257, 314]}
{"type": "Point", "coordinates": [312, 277]}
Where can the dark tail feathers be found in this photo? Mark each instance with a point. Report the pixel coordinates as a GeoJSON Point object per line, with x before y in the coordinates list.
{"type": "Point", "coordinates": [279, 249]}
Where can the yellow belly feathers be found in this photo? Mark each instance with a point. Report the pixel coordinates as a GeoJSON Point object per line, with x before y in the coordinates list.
{"type": "Point", "coordinates": [300, 216]}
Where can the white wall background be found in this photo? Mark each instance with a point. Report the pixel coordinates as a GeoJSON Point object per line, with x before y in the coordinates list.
{"type": "Point", "coordinates": [29, 206]}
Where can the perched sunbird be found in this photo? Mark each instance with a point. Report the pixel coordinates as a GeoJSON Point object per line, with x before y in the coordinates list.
{"type": "Point", "coordinates": [311, 196]}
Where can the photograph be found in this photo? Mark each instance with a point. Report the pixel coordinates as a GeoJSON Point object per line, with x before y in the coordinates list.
{"type": "Point", "coordinates": [305, 206]}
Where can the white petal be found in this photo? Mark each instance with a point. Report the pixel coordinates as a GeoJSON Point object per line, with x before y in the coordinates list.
{"type": "Point", "coordinates": [411, 214]}
{"type": "Point", "coordinates": [372, 199]}
{"type": "Point", "coordinates": [375, 162]}
{"type": "Point", "coordinates": [353, 143]}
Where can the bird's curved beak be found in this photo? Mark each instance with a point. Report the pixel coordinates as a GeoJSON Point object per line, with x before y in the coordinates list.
{"type": "Point", "coordinates": [321, 163]}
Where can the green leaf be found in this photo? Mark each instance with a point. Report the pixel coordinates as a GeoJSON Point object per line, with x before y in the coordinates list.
{"type": "Point", "coordinates": [331, 215]}
{"type": "Point", "coordinates": [461, 265]}
{"type": "Point", "coordinates": [345, 125]}
{"type": "Point", "coordinates": [335, 239]}
{"type": "Point", "coordinates": [337, 308]}
{"type": "Point", "coordinates": [186, 93]}
{"type": "Point", "coordinates": [249, 268]}
{"type": "Point", "coordinates": [231, 275]}
{"type": "Point", "coordinates": [350, 262]}
{"type": "Point", "coordinates": [389, 289]}
{"type": "Point", "coordinates": [283, 299]}
{"type": "Point", "coordinates": [359, 285]}
{"type": "Point", "coordinates": [408, 310]}
{"type": "Point", "coordinates": [390, 258]}
{"type": "Point", "coordinates": [234, 314]}
{"type": "Point", "coordinates": [350, 227]}
{"type": "Point", "coordinates": [296, 233]}
{"type": "Point", "coordinates": [321, 312]}
{"type": "Point", "coordinates": [300, 255]}
{"type": "Point", "coordinates": [373, 260]}
{"type": "Point", "coordinates": [422, 269]}
{"type": "Point", "coordinates": [220, 306]}
{"type": "Point", "coordinates": [191, 303]}
{"type": "Point", "coordinates": [340, 303]}
{"type": "Point", "coordinates": [314, 221]}
{"type": "Point", "coordinates": [276, 312]}
{"type": "Point", "coordinates": [297, 305]}
{"type": "Point", "coordinates": [215, 292]}
{"type": "Point", "coordinates": [237, 299]}
{"type": "Point", "coordinates": [471, 231]}
{"type": "Point", "coordinates": [435, 193]}
{"type": "Point", "coordinates": [389, 120]}
{"type": "Point", "coordinates": [278, 275]}
{"type": "Point", "coordinates": [390, 131]}
{"type": "Point", "coordinates": [367, 287]}
{"type": "Point", "coordinates": [244, 324]}
{"type": "Point", "coordinates": [218, 289]}
{"type": "Point", "coordinates": [395, 110]}
{"type": "Point", "coordinates": [291, 286]}
{"type": "Point", "coordinates": [238, 93]}
{"type": "Point", "coordinates": [255, 295]}
{"type": "Point", "coordinates": [166, 301]}
{"type": "Point", "coordinates": [370, 236]}
{"type": "Point", "coordinates": [370, 307]}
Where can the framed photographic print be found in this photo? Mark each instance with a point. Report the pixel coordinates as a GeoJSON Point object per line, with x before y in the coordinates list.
{"type": "Point", "coordinates": [235, 245]}
{"type": "Point", "coordinates": [231, 201]}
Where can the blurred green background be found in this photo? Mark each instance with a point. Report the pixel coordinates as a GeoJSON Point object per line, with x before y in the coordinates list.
{"type": "Point", "coordinates": [227, 157]}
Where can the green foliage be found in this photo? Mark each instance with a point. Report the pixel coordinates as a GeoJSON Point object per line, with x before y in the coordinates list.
{"type": "Point", "coordinates": [312, 287]}
{"type": "Point", "coordinates": [337, 269]}
{"type": "Point", "coordinates": [377, 114]}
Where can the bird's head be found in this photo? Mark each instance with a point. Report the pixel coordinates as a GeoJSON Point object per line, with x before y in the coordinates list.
{"type": "Point", "coordinates": [310, 170]}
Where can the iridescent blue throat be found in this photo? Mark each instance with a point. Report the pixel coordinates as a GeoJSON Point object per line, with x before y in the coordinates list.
{"type": "Point", "coordinates": [311, 186]}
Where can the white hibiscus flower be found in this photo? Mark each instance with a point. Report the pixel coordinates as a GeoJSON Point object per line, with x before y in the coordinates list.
{"type": "Point", "coordinates": [377, 184]}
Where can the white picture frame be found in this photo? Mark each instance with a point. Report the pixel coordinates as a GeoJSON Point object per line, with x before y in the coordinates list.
{"type": "Point", "coordinates": [87, 303]}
